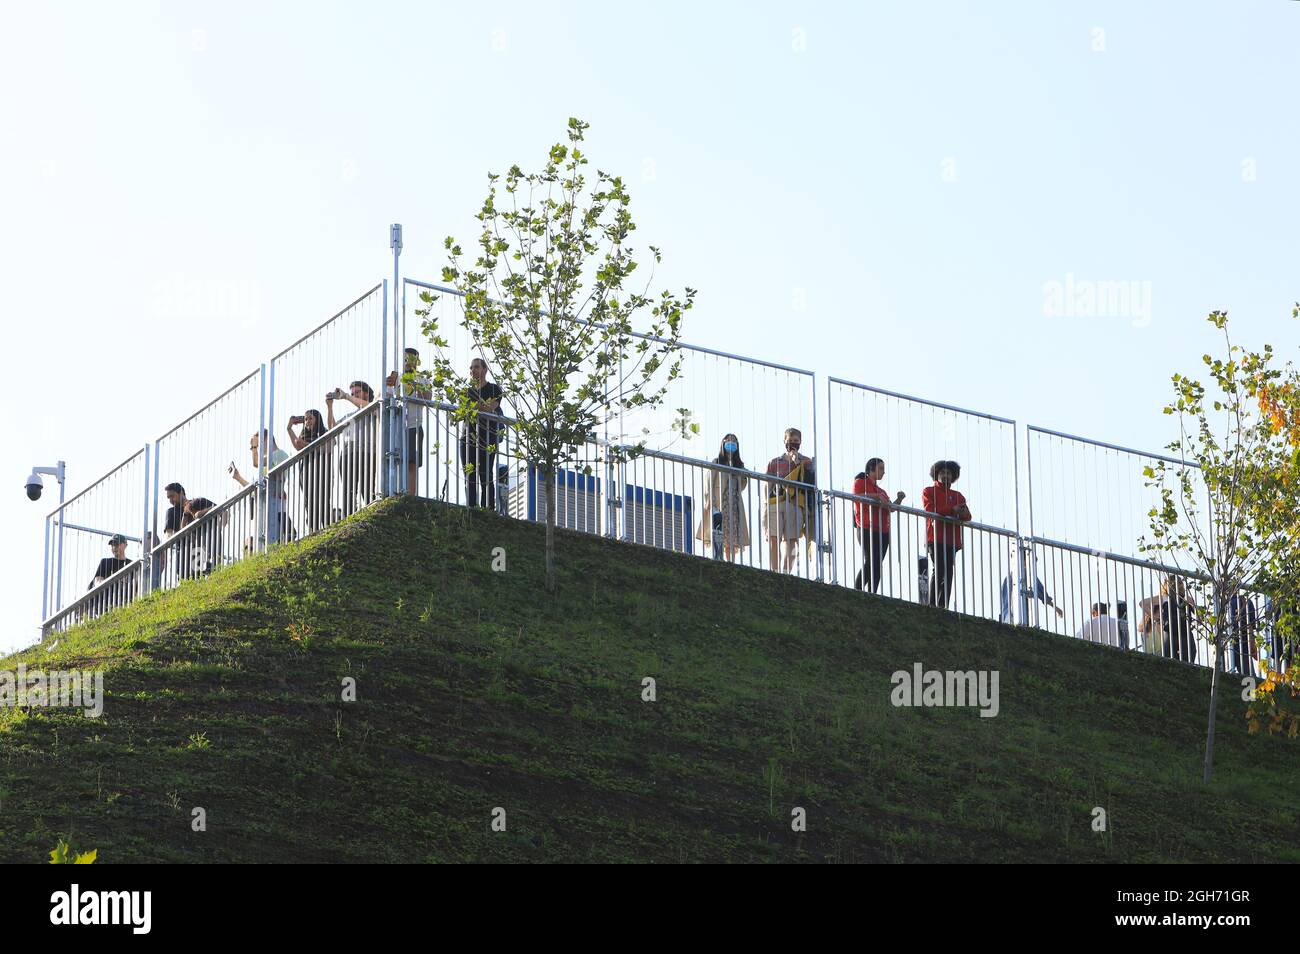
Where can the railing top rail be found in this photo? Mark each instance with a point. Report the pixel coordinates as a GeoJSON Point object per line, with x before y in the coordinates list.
{"type": "Point", "coordinates": [240, 383]}
{"type": "Point", "coordinates": [340, 312]}
{"type": "Point", "coordinates": [92, 593]}
{"type": "Point", "coordinates": [904, 508]}
{"type": "Point", "coordinates": [1114, 447]}
{"type": "Point", "coordinates": [920, 400]}
{"type": "Point", "coordinates": [1118, 558]}
{"type": "Point", "coordinates": [647, 337]}
{"type": "Point", "coordinates": [82, 493]}
{"type": "Point", "coordinates": [646, 452]}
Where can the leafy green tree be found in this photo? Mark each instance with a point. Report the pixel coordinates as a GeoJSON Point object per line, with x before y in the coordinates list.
{"type": "Point", "coordinates": [547, 303]}
{"type": "Point", "coordinates": [1213, 518]}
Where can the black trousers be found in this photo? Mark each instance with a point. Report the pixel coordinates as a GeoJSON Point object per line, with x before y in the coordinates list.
{"type": "Point", "coordinates": [875, 544]}
{"type": "Point", "coordinates": [1179, 644]}
{"type": "Point", "coordinates": [357, 465]}
{"type": "Point", "coordinates": [481, 482]}
{"type": "Point", "coordinates": [943, 560]}
{"type": "Point", "coordinates": [316, 479]}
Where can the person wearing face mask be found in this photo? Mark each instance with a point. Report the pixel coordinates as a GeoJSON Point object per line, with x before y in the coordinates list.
{"type": "Point", "coordinates": [943, 537]}
{"type": "Point", "coordinates": [790, 509]}
{"type": "Point", "coordinates": [871, 517]}
{"type": "Point", "coordinates": [724, 505]}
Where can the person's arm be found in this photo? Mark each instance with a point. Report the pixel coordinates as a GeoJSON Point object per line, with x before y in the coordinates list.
{"type": "Point", "coordinates": [239, 478]}
{"type": "Point", "coordinates": [927, 499]}
{"type": "Point", "coordinates": [962, 511]}
{"type": "Point", "coordinates": [329, 412]}
{"type": "Point", "coordinates": [297, 442]}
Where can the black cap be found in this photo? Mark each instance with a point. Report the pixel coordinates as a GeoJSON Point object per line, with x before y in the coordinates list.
{"type": "Point", "coordinates": [115, 539]}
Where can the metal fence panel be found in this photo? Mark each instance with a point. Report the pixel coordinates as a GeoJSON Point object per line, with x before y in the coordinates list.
{"type": "Point", "coordinates": [909, 434]}
{"type": "Point", "coordinates": [347, 347]}
{"type": "Point", "coordinates": [78, 531]}
{"type": "Point", "coordinates": [890, 555]}
{"type": "Point", "coordinates": [716, 393]}
{"type": "Point", "coordinates": [1092, 494]}
{"type": "Point", "coordinates": [205, 452]}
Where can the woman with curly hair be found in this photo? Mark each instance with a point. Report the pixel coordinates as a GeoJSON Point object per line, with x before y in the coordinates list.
{"type": "Point", "coordinates": [943, 537]}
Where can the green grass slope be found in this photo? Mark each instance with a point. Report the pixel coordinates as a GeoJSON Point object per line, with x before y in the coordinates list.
{"type": "Point", "coordinates": [476, 691]}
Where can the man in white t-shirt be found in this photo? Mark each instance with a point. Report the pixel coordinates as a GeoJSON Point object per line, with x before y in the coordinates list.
{"type": "Point", "coordinates": [1103, 628]}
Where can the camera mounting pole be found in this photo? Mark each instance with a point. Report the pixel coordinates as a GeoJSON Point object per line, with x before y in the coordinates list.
{"type": "Point", "coordinates": [58, 472]}
{"type": "Point", "coordinates": [394, 447]}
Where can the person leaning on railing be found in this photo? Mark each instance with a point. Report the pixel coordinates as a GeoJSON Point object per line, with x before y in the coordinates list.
{"type": "Point", "coordinates": [478, 438]}
{"type": "Point", "coordinates": [111, 564]}
{"type": "Point", "coordinates": [315, 475]}
{"type": "Point", "coordinates": [356, 445]}
{"type": "Point", "coordinates": [279, 505]}
{"type": "Point", "coordinates": [192, 555]}
{"type": "Point", "coordinates": [790, 510]}
{"type": "Point", "coordinates": [873, 525]}
{"type": "Point", "coordinates": [724, 522]}
{"type": "Point", "coordinates": [942, 538]}
{"type": "Point", "coordinates": [420, 386]}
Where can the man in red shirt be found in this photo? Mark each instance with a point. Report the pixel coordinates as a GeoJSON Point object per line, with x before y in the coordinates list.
{"type": "Point", "coordinates": [943, 537]}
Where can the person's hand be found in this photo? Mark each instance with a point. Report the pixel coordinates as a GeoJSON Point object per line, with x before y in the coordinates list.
{"type": "Point", "coordinates": [900, 498]}
{"type": "Point", "coordinates": [234, 472]}
{"type": "Point", "coordinates": [297, 419]}
{"type": "Point", "coordinates": [1059, 612]}
{"type": "Point", "coordinates": [392, 379]}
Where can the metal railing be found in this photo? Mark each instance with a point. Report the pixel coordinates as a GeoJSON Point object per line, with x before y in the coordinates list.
{"type": "Point", "coordinates": [911, 433]}
{"type": "Point", "coordinates": [347, 347]}
{"type": "Point", "coordinates": [77, 533]}
{"type": "Point", "coordinates": [116, 591]}
{"type": "Point", "coordinates": [722, 393]}
{"type": "Point", "coordinates": [1080, 489]}
{"type": "Point", "coordinates": [899, 551]}
{"type": "Point", "coordinates": [1093, 494]}
{"type": "Point", "coordinates": [204, 451]}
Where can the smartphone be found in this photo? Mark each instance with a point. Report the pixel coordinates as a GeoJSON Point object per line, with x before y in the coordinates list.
{"type": "Point", "coordinates": [230, 468]}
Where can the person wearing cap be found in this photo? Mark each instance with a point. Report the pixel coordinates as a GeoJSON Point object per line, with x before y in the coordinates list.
{"type": "Point", "coordinates": [110, 565]}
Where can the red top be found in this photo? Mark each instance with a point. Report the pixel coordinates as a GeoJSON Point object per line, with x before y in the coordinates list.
{"type": "Point", "coordinates": [944, 501]}
{"type": "Point", "coordinates": [877, 518]}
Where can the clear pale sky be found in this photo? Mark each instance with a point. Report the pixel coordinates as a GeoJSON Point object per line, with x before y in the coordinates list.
{"type": "Point", "coordinates": [919, 169]}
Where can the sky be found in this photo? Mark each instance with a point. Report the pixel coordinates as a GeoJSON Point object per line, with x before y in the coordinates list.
{"type": "Point", "coordinates": [884, 192]}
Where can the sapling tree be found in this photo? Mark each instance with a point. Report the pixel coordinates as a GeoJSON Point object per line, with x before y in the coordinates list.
{"type": "Point", "coordinates": [548, 302]}
{"type": "Point", "coordinates": [1210, 519]}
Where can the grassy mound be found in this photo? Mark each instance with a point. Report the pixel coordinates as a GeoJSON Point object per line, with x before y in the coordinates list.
{"type": "Point", "coordinates": [477, 691]}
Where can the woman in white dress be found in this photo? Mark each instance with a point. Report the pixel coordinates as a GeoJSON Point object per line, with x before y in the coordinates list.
{"type": "Point", "coordinates": [724, 503]}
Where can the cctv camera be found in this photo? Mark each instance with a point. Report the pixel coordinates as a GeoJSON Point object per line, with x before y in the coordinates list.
{"type": "Point", "coordinates": [34, 486]}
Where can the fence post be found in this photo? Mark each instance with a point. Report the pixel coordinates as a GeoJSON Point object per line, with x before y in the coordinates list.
{"type": "Point", "coordinates": [45, 575]}
{"type": "Point", "coordinates": [817, 510]}
{"type": "Point", "coordinates": [146, 558]}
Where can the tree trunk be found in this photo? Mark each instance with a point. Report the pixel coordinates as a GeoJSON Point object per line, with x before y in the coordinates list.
{"type": "Point", "coordinates": [1214, 699]}
{"type": "Point", "coordinates": [550, 529]}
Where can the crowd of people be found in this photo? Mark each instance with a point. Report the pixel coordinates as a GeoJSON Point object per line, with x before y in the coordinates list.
{"type": "Point", "coordinates": [789, 513]}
